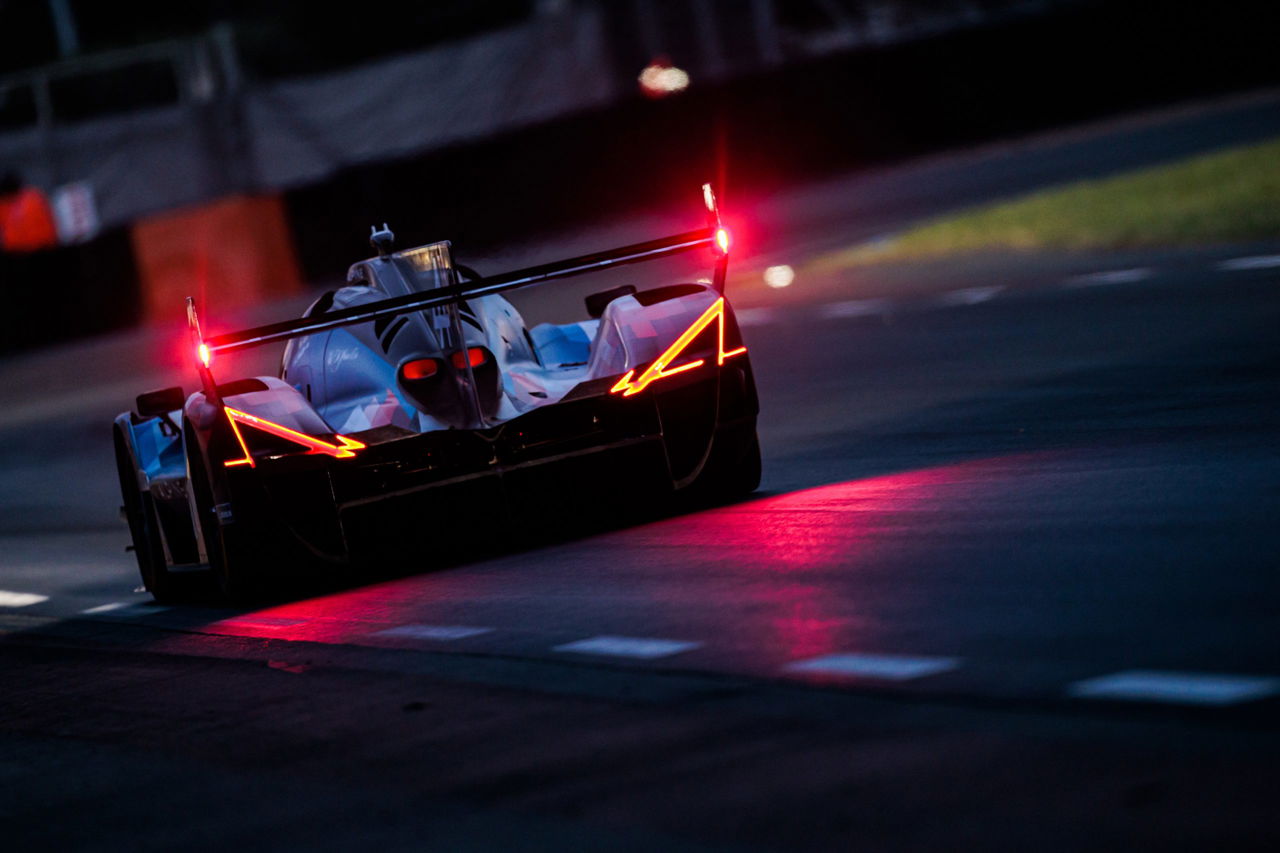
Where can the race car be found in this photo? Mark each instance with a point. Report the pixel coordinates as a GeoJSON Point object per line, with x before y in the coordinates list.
{"type": "Point", "coordinates": [414, 409]}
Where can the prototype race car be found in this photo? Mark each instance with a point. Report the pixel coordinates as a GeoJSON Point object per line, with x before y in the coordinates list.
{"type": "Point", "coordinates": [413, 407]}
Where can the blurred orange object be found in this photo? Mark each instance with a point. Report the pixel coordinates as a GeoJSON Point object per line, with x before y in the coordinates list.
{"type": "Point", "coordinates": [26, 222]}
{"type": "Point", "coordinates": [229, 254]}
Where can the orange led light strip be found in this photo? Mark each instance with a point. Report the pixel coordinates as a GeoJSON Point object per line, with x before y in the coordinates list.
{"type": "Point", "coordinates": [660, 370]}
{"type": "Point", "coordinates": [344, 450]}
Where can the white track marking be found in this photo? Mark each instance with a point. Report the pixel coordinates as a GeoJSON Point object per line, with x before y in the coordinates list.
{"type": "Point", "coordinates": [970, 295]}
{"type": "Point", "coordinates": [128, 611]}
{"type": "Point", "coordinates": [755, 316]}
{"type": "Point", "coordinates": [107, 608]}
{"type": "Point", "coordinates": [1181, 688]}
{"type": "Point", "coordinates": [433, 632]}
{"type": "Point", "coordinates": [1110, 277]}
{"type": "Point", "coordinates": [20, 599]}
{"type": "Point", "coordinates": [886, 667]}
{"type": "Point", "coordinates": [628, 647]}
{"type": "Point", "coordinates": [1254, 262]}
{"type": "Point", "coordinates": [855, 308]}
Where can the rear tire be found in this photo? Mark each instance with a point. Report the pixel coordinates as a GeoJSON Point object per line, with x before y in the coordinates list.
{"type": "Point", "coordinates": [236, 573]}
{"type": "Point", "coordinates": [732, 470]}
{"type": "Point", "coordinates": [140, 514]}
{"type": "Point", "coordinates": [741, 473]}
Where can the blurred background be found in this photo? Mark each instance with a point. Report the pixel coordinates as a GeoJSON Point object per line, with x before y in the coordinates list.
{"type": "Point", "coordinates": [1009, 274]}
{"type": "Point", "coordinates": [251, 145]}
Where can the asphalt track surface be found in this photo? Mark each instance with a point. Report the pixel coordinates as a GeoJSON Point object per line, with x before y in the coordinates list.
{"type": "Point", "coordinates": [1010, 582]}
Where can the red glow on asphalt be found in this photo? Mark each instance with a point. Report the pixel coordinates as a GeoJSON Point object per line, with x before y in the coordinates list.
{"type": "Point", "coordinates": [777, 568]}
{"type": "Point", "coordinates": [783, 552]}
{"type": "Point", "coordinates": [776, 550]}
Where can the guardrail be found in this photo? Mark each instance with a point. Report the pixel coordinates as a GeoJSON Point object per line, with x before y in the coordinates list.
{"type": "Point", "coordinates": [166, 73]}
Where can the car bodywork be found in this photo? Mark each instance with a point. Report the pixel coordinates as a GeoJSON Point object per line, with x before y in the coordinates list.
{"type": "Point", "coordinates": [412, 405]}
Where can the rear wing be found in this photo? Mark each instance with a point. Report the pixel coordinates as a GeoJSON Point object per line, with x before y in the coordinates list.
{"type": "Point", "coordinates": [714, 236]}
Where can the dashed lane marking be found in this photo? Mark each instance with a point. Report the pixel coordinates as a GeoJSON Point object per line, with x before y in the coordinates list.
{"type": "Point", "coordinates": [20, 599]}
{"type": "Point", "coordinates": [1253, 262]}
{"type": "Point", "coordinates": [107, 608]}
{"type": "Point", "coordinates": [855, 308]}
{"type": "Point", "coordinates": [1181, 688]}
{"type": "Point", "coordinates": [885, 667]}
{"type": "Point", "coordinates": [628, 647]}
{"type": "Point", "coordinates": [433, 632]}
{"type": "Point", "coordinates": [970, 295]}
{"type": "Point", "coordinates": [125, 611]}
{"type": "Point", "coordinates": [1110, 277]}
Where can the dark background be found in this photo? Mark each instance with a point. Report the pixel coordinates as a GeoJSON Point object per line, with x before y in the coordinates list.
{"type": "Point", "coordinates": [849, 111]}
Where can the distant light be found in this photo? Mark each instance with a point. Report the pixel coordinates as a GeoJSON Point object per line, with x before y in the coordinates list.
{"type": "Point", "coordinates": [658, 80]}
{"type": "Point", "coordinates": [20, 599]}
{"type": "Point", "coordinates": [205, 357]}
{"type": "Point", "coordinates": [779, 276]}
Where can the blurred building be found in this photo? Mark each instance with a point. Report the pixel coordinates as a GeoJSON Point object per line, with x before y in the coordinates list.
{"type": "Point", "coordinates": [237, 148]}
{"type": "Point", "coordinates": [168, 105]}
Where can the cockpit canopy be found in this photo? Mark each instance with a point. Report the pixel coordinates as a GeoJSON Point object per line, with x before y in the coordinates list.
{"type": "Point", "coordinates": [416, 270]}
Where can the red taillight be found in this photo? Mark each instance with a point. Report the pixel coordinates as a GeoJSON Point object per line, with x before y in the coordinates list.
{"type": "Point", "coordinates": [723, 240]}
{"type": "Point", "coordinates": [475, 356]}
{"type": "Point", "coordinates": [423, 368]}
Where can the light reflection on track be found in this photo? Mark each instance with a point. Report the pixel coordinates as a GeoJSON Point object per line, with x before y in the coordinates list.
{"type": "Point", "coordinates": [782, 572]}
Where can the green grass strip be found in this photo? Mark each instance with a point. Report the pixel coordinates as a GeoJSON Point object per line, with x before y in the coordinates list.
{"type": "Point", "coordinates": [1224, 197]}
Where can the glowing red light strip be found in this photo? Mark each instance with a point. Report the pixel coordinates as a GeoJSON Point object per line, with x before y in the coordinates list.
{"type": "Point", "coordinates": [344, 450]}
{"type": "Point", "coordinates": [659, 368]}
